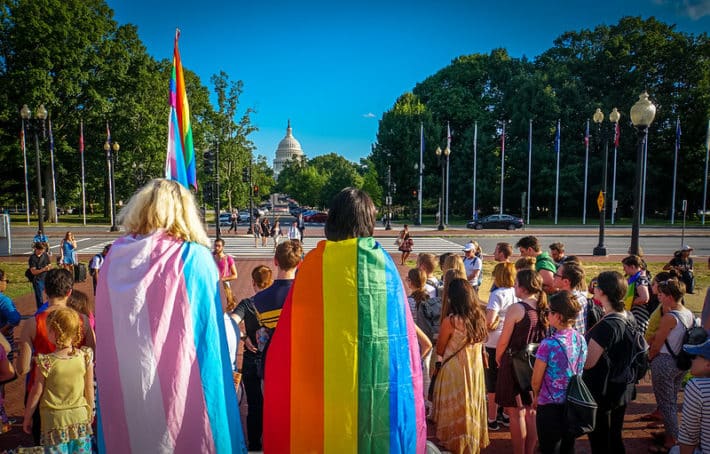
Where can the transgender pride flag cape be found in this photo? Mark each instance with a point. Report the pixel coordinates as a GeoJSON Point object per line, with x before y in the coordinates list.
{"type": "Point", "coordinates": [343, 373]}
{"type": "Point", "coordinates": [162, 364]}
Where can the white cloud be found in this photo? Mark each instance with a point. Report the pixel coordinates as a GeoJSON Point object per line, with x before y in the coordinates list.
{"type": "Point", "coordinates": [695, 9]}
{"type": "Point", "coordinates": [368, 115]}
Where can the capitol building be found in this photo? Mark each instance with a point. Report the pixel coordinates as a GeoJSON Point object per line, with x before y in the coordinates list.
{"type": "Point", "coordinates": [288, 149]}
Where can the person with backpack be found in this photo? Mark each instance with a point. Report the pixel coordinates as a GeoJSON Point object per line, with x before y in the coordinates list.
{"type": "Point", "coordinates": [95, 265]}
{"type": "Point", "coordinates": [665, 350]}
{"type": "Point", "coordinates": [608, 365]}
{"type": "Point", "coordinates": [558, 358]}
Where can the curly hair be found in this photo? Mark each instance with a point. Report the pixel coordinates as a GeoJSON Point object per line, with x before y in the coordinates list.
{"type": "Point", "coordinates": [65, 322]}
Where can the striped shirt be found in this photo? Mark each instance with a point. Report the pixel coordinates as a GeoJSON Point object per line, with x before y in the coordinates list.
{"type": "Point", "coordinates": [695, 420]}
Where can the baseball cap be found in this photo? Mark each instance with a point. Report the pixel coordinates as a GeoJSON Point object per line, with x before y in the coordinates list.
{"type": "Point", "coordinates": [699, 350]}
{"type": "Point", "coordinates": [687, 248]}
{"type": "Point", "coordinates": [468, 247]}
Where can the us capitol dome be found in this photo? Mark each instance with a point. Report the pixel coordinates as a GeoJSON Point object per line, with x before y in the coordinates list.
{"type": "Point", "coordinates": [288, 149]}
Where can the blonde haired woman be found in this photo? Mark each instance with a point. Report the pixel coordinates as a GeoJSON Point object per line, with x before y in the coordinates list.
{"type": "Point", "coordinates": [159, 311]}
{"type": "Point", "coordinates": [67, 251]}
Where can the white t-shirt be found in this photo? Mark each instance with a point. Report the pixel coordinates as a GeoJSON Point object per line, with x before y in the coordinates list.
{"type": "Point", "coordinates": [233, 335]}
{"type": "Point", "coordinates": [471, 265]}
{"type": "Point", "coordinates": [500, 301]}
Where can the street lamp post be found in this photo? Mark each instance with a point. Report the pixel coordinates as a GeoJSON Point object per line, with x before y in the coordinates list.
{"type": "Point", "coordinates": [40, 116]}
{"type": "Point", "coordinates": [111, 149]}
{"type": "Point", "coordinates": [443, 161]}
{"type": "Point", "coordinates": [388, 225]}
{"type": "Point", "coordinates": [642, 114]}
{"type": "Point", "coordinates": [603, 134]}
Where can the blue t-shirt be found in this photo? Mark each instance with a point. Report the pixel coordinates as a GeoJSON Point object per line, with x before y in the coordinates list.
{"type": "Point", "coordinates": [558, 372]}
{"type": "Point", "coordinates": [8, 311]}
{"type": "Point", "coordinates": [269, 302]}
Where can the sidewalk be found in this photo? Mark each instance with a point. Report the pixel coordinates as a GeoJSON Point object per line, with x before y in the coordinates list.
{"type": "Point", "coordinates": [637, 436]}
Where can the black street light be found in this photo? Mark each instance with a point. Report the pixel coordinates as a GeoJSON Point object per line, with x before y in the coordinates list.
{"type": "Point", "coordinates": [388, 200]}
{"type": "Point", "coordinates": [642, 114]}
{"type": "Point", "coordinates": [603, 135]}
{"type": "Point", "coordinates": [111, 149]}
{"type": "Point", "coordinates": [40, 116]}
{"type": "Point", "coordinates": [443, 161]}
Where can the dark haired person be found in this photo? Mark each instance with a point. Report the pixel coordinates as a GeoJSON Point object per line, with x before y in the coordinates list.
{"type": "Point", "coordinates": [529, 246]}
{"type": "Point", "coordinates": [570, 277]}
{"type": "Point", "coordinates": [637, 293]}
{"type": "Point", "coordinates": [39, 265]}
{"type": "Point", "coordinates": [683, 264]}
{"type": "Point", "coordinates": [608, 362]}
{"type": "Point", "coordinates": [558, 358]}
{"type": "Point", "coordinates": [345, 325]}
{"type": "Point", "coordinates": [557, 252]}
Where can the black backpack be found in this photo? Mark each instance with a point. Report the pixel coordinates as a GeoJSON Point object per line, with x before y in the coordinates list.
{"type": "Point", "coordinates": [637, 353]}
{"type": "Point", "coordinates": [594, 314]}
{"type": "Point", "coordinates": [695, 335]}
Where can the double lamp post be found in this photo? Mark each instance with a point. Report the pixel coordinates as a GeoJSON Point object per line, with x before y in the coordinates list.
{"type": "Point", "coordinates": [603, 134]}
{"type": "Point", "coordinates": [111, 150]}
{"type": "Point", "coordinates": [36, 124]}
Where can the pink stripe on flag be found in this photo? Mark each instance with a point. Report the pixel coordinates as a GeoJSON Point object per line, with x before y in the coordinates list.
{"type": "Point", "coordinates": [177, 367]}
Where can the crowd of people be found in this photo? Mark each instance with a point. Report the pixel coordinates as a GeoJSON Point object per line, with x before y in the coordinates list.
{"type": "Point", "coordinates": [338, 353]}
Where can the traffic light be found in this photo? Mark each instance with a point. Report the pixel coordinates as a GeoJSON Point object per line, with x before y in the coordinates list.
{"type": "Point", "coordinates": [256, 190]}
{"type": "Point", "coordinates": [245, 175]}
{"type": "Point", "coordinates": [209, 161]}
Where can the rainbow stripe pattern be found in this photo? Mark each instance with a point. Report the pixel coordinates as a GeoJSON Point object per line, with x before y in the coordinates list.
{"type": "Point", "coordinates": [162, 364]}
{"type": "Point", "coordinates": [180, 160]}
{"type": "Point", "coordinates": [343, 373]}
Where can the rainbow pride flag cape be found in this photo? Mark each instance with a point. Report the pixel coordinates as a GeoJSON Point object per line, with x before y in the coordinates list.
{"type": "Point", "coordinates": [162, 364]}
{"type": "Point", "coordinates": [180, 159]}
{"type": "Point", "coordinates": [343, 373]}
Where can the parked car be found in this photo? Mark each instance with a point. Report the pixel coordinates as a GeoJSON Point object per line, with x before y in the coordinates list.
{"type": "Point", "coordinates": [225, 219]}
{"type": "Point", "coordinates": [496, 221]}
{"type": "Point", "coordinates": [316, 217]}
{"type": "Point", "coordinates": [244, 216]}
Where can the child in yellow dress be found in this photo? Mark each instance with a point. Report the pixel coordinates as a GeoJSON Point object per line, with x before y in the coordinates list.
{"type": "Point", "coordinates": [64, 389]}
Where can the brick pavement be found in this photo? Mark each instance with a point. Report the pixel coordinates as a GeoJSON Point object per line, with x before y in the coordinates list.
{"type": "Point", "coordinates": [637, 436]}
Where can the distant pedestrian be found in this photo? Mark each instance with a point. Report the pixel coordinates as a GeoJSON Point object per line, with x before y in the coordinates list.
{"type": "Point", "coordinates": [67, 250]}
{"type": "Point", "coordinates": [294, 233]}
{"type": "Point", "coordinates": [233, 218]}
{"type": "Point", "coordinates": [225, 265]}
{"type": "Point", "coordinates": [301, 225]}
{"type": "Point", "coordinates": [265, 231]}
{"type": "Point", "coordinates": [406, 243]}
{"type": "Point", "coordinates": [95, 265]}
{"type": "Point", "coordinates": [276, 233]}
{"type": "Point", "coordinates": [38, 267]}
{"type": "Point", "coordinates": [256, 230]}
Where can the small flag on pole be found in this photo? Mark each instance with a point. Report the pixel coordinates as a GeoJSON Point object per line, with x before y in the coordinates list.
{"type": "Point", "coordinates": [557, 138]}
{"type": "Point", "coordinates": [586, 135]}
{"type": "Point", "coordinates": [617, 134]}
{"type": "Point", "coordinates": [81, 137]}
{"type": "Point", "coordinates": [108, 133]}
{"type": "Point", "coordinates": [180, 159]}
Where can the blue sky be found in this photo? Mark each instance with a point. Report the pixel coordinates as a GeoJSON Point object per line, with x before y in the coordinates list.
{"type": "Point", "coordinates": [335, 67]}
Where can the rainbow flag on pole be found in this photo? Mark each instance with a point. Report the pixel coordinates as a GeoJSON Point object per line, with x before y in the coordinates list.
{"type": "Point", "coordinates": [180, 160]}
{"type": "Point", "coordinates": [163, 369]}
{"type": "Point", "coordinates": [343, 373]}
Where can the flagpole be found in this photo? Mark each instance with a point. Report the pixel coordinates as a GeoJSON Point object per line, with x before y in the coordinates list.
{"type": "Point", "coordinates": [475, 153]}
{"type": "Point", "coordinates": [613, 183]}
{"type": "Point", "coordinates": [448, 145]}
{"type": "Point", "coordinates": [54, 183]}
{"type": "Point", "coordinates": [643, 190]}
{"type": "Point", "coordinates": [24, 167]}
{"type": "Point", "coordinates": [83, 183]}
{"type": "Point", "coordinates": [707, 157]}
{"type": "Point", "coordinates": [675, 167]}
{"type": "Point", "coordinates": [586, 172]}
{"type": "Point", "coordinates": [502, 165]}
{"type": "Point", "coordinates": [529, 170]}
{"type": "Point", "coordinates": [557, 178]}
{"type": "Point", "coordinates": [421, 167]}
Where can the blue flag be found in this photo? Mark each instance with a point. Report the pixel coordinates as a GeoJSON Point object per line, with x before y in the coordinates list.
{"type": "Point", "coordinates": [557, 137]}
